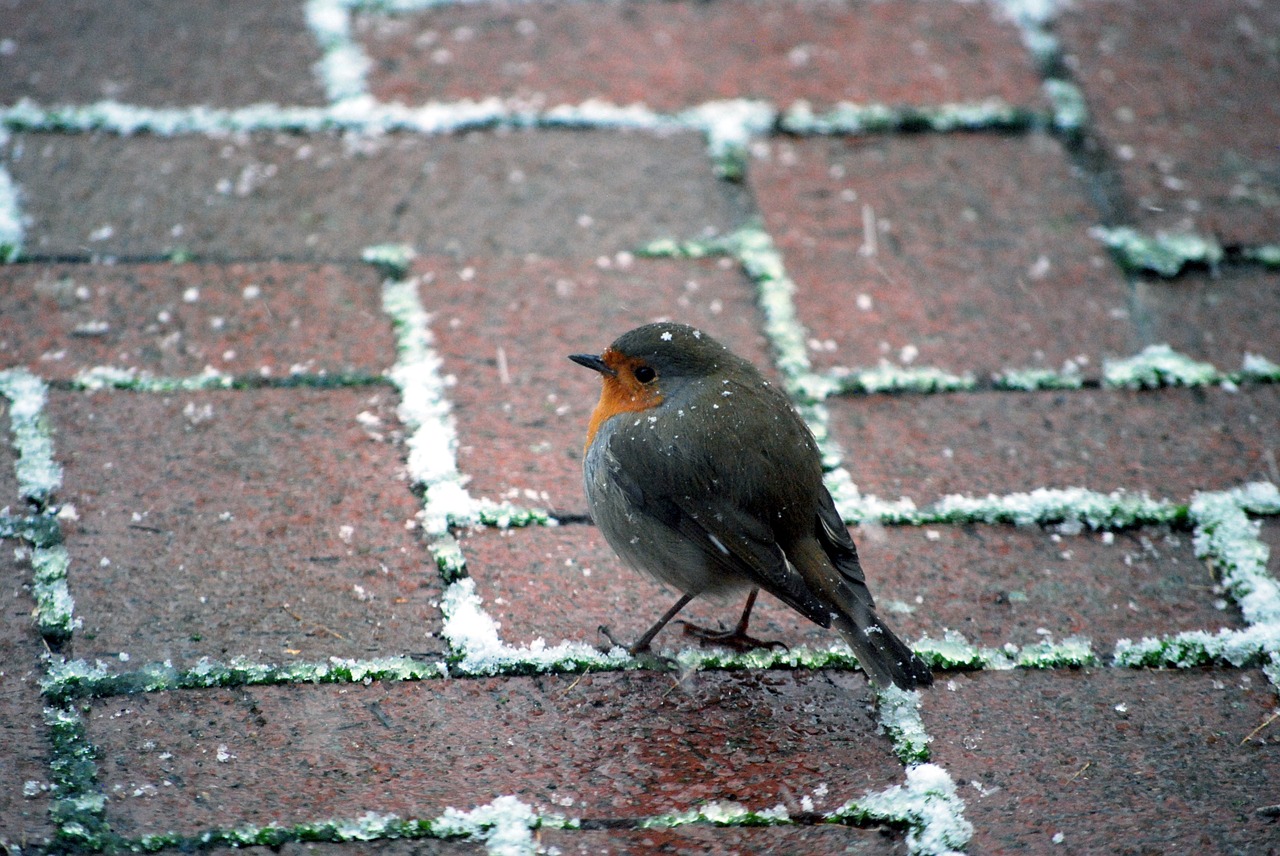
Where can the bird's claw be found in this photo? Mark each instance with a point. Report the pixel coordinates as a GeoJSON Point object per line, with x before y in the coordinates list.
{"type": "Point", "coordinates": [644, 653]}
{"type": "Point", "coordinates": [737, 639]}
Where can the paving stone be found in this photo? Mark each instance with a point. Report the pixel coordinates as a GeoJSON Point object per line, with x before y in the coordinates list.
{"type": "Point", "coordinates": [322, 197]}
{"type": "Point", "coordinates": [682, 54]}
{"type": "Point", "coordinates": [1159, 755]}
{"type": "Point", "coordinates": [1270, 536]}
{"type": "Point", "coordinates": [269, 524]}
{"type": "Point", "coordinates": [656, 745]}
{"type": "Point", "coordinates": [520, 434]}
{"type": "Point", "coordinates": [965, 252]}
{"type": "Point", "coordinates": [10, 497]}
{"type": "Point", "coordinates": [993, 584]}
{"type": "Point", "coordinates": [1195, 147]}
{"type": "Point", "coordinates": [394, 847]}
{"type": "Point", "coordinates": [1217, 318]}
{"type": "Point", "coordinates": [24, 764]}
{"type": "Point", "coordinates": [563, 583]}
{"type": "Point", "coordinates": [154, 53]}
{"type": "Point", "coordinates": [1168, 443]}
{"type": "Point", "coordinates": [1001, 584]}
{"type": "Point", "coordinates": [168, 320]}
{"type": "Point", "coordinates": [708, 839]}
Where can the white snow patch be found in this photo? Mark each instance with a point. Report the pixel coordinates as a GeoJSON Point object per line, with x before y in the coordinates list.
{"type": "Point", "coordinates": [473, 633]}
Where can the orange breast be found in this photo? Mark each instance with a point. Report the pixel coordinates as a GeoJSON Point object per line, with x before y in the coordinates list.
{"type": "Point", "coordinates": [621, 393]}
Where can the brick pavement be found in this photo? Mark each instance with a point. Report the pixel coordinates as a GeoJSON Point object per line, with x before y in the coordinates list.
{"type": "Point", "coordinates": [293, 535]}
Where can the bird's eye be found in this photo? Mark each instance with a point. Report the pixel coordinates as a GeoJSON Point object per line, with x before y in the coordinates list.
{"type": "Point", "coordinates": [644, 374]}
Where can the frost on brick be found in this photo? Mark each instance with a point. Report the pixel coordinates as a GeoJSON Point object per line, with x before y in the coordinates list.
{"type": "Point", "coordinates": [900, 718]}
{"type": "Point", "coordinates": [473, 635]}
{"type": "Point", "coordinates": [927, 804]}
{"type": "Point", "coordinates": [505, 826]}
{"type": "Point", "coordinates": [1157, 366]}
{"type": "Point", "coordinates": [39, 476]}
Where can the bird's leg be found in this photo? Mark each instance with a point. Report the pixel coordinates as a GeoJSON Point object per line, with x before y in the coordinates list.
{"type": "Point", "coordinates": [642, 644]}
{"type": "Point", "coordinates": [737, 638]}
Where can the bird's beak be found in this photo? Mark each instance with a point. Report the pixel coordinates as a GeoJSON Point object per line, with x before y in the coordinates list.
{"type": "Point", "coordinates": [591, 361]}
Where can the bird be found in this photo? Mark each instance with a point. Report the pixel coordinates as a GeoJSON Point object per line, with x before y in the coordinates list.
{"type": "Point", "coordinates": [700, 473]}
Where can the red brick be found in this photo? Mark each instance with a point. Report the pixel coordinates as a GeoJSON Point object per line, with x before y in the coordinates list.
{"type": "Point", "coordinates": [1184, 98]}
{"type": "Point", "coordinates": [982, 256]}
{"type": "Point", "coordinates": [1217, 318]}
{"type": "Point", "coordinates": [681, 54]}
{"type": "Point", "coordinates": [155, 53]}
{"type": "Point", "coordinates": [176, 320]}
{"type": "Point", "coordinates": [9, 495]}
{"type": "Point", "coordinates": [527, 434]}
{"type": "Point", "coordinates": [24, 820]}
{"type": "Point", "coordinates": [707, 839]}
{"type": "Point", "coordinates": [384, 847]}
{"type": "Point", "coordinates": [211, 524]}
{"type": "Point", "coordinates": [1168, 443]}
{"type": "Point", "coordinates": [657, 745]}
{"type": "Point", "coordinates": [1158, 755]}
{"type": "Point", "coordinates": [318, 197]}
{"type": "Point", "coordinates": [562, 583]}
{"type": "Point", "coordinates": [994, 584]}
{"type": "Point", "coordinates": [999, 584]}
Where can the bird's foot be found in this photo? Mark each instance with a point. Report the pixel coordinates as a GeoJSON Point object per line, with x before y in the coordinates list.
{"type": "Point", "coordinates": [738, 639]}
{"type": "Point", "coordinates": [639, 649]}
{"type": "Point", "coordinates": [632, 649]}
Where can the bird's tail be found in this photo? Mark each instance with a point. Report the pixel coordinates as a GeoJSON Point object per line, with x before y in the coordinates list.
{"type": "Point", "coordinates": [883, 656]}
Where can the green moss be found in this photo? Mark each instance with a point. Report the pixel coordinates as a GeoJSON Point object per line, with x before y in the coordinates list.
{"type": "Point", "coordinates": [40, 530]}
{"type": "Point", "coordinates": [392, 260]}
{"type": "Point", "coordinates": [78, 804]}
{"type": "Point", "coordinates": [1163, 255]}
{"type": "Point", "coordinates": [72, 679]}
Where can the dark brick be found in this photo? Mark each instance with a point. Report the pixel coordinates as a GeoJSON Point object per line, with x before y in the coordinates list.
{"type": "Point", "coordinates": [1169, 443]}
{"type": "Point", "coordinates": [704, 838]}
{"type": "Point", "coordinates": [319, 197]}
{"type": "Point", "coordinates": [1184, 99]}
{"type": "Point", "coordinates": [999, 584]}
{"type": "Point", "coordinates": [1159, 755]}
{"type": "Point", "coordinates": [520, 436]}
{"type": "Point", "coordinates": [212, 524]}
{"type": "Point", "coordinates": [24, 820]}
{"type": "Point", "coordinates": [9, 495]}
{"type": "Point", "coordinates": [656, 745]}
{"type": "Point", "coordinates": [562, 583]}
{"type": "Point", "coordinates": [680, 54]}
{"type": "Point", "coordinates": [175, 320]}
{"type": "Point", "coordinates": [154, 53]}
{"type": "Point", "coordinates": [1216, 318]}
{"type": "Point", "coordinates": [994, 584]}
{"type": "Point", "coordinates": [982, 259]}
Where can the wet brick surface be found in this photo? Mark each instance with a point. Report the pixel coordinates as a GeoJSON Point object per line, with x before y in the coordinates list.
{"type": "Point", "coordinates": [969, 252]}
{"type": "Point", "coordinates": [1196, 150]}
{"type": "Point", "coordinates": [321, 197]}
{"type": "Point", "coordinates": [10, 496]}
{"type": "Point", "coordinates": [1167, 443]}
{"type": "Point", "coordinates": [999, 584]}
{"type": "Point", "coordinates": [279, 535]}
{"type": "Point", "coordinates": [1215, 317]}
{"type": "Point", "coordinates": [570, 583]}
{"type": "Point", "coordinates": [212, 53]}
{"type": "Point", "coordinates": [277, 522]}
{"type": "Point", "coordinates": [267, 319]}
{"type": "Point", "coordinates": [658, 745]}
{"type": "Point", "coordinates": [24, 765]}
{"type": "Point", "coordinates": [682, 54]}
{"type": "Point", "coordinates": [1158, 754]}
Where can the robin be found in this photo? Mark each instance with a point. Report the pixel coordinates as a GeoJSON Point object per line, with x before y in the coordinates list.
{"type": "Point", "coordinates": [700, 473]}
